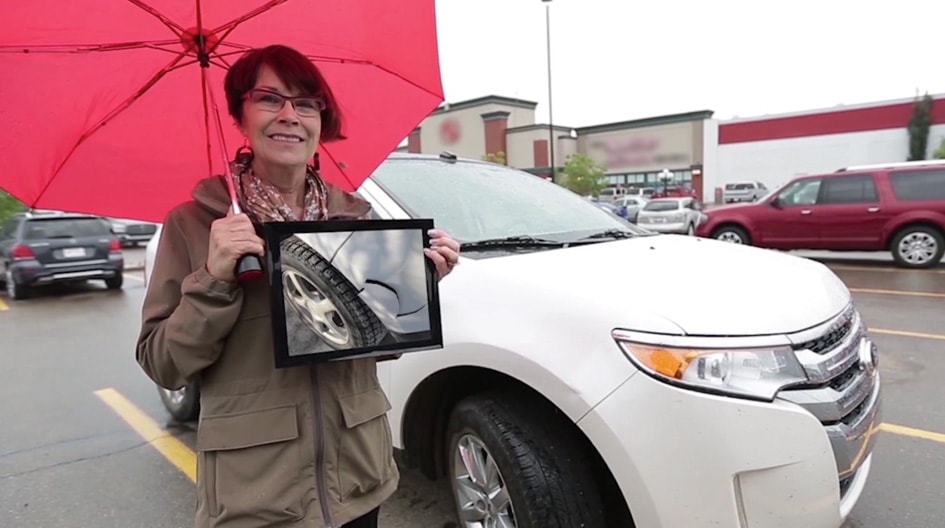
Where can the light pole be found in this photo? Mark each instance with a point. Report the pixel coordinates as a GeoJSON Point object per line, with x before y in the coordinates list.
{"type": "Point", "coordinates": [551, 129]}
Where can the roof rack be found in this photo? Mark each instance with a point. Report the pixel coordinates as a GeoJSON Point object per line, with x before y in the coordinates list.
{"type": "Point", "coordinates": [895, 165]}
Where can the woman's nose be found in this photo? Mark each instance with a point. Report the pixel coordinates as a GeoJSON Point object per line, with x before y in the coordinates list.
{"type": "Point", "coordinates": [288, 113]}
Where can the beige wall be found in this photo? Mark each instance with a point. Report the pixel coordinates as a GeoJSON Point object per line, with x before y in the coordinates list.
{"type": "Point", "coordinates": [642, 149]}
{"type": "Point", "coordinates": [521, 146]}
{"type": "Point", "coordinates": [471, 140]}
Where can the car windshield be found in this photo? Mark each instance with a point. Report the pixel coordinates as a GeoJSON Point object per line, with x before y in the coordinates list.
{"type": "Point", "coordinates": [38, 229]}
{"type": "Point", "coordinates": [661, 205]}
{"type": "Point", "coordinates": [476, 201]}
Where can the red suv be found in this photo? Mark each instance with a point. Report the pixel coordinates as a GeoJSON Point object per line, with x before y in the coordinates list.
{"type": "Point", "coordinates": [897, 207]}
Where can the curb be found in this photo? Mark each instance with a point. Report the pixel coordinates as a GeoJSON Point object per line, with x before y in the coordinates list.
{"type": "Point", "coordinates": [134, 267]}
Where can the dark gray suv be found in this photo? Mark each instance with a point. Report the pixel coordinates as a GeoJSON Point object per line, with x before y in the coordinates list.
{"type": "Point", "coordinates": [46, 248]}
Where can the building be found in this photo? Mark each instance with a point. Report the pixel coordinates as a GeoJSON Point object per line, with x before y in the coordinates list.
{"type": "Point", "coordinates": [690, 148]}
{"type": "Point", "coordinates": [632, 152]}
{"type": "Point", "coordinates": [774, 149]}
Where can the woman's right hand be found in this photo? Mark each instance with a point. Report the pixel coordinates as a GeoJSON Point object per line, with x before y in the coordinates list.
{"type": "Point", "coordinates": [231, 237]}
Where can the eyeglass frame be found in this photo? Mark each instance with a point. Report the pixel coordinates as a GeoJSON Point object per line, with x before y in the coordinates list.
{"type": "Point", "coordinates": [287, 98]}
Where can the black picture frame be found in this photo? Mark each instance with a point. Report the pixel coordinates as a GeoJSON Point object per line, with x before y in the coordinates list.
{"type": "Point", "coordinates": [294, 256]}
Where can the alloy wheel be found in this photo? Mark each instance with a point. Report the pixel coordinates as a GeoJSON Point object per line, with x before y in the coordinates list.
{"type": "Point", "coordinates": [918, 248]}
{"type": "Point", "coordinates": [481, 495]}
{"type": "Point", "coordinates": [315, 308]}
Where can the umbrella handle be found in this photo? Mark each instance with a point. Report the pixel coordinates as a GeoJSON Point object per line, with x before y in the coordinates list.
{"type": "Point", "coordinates": [248, 269]}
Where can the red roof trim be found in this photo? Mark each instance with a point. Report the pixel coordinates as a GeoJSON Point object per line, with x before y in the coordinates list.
{"type": "Point", "coordinates": [834, 122]}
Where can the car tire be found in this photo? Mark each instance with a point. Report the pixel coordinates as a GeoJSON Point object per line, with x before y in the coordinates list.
{"type": "Point", "coordinates": [691, 230]}
{"type": "Point", "coordinates": [182, 404]}
{"type": "Point", "coordinates": [534, 459]}
{"type": "Point", "coordinates": [918, 247]}
{"type": "Point", "coordinates": [15, 290]}
{"type": "Point", "coordinates": [351, 323]}
{"type": "Point", "coordinates": [115, 283]}
{"type": "Point", "coordinates": [733, 234]}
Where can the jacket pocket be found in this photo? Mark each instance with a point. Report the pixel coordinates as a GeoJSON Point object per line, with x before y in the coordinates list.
{"type": "Point", "coordinates": [253, 462]}
{"type": "Point", "coordinates": [365, 450]}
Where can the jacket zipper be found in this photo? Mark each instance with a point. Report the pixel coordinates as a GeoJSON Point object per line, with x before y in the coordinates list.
{"type": "Point", "coordinates": [321, 482]}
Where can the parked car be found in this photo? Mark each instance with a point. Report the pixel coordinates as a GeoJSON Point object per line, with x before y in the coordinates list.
{"type": "Point", "coordinates": [132, 232]}
{"type": "Point", "coordinates": [897, 207]}
{"type": "Point", "coordinates": [747, 191]}
{"type": "Point", "coordinates": [671, 215]}
{"type": "Point", "coordinates": [39, 249]}
{"type": "Point", "coordinates": [632, 205]}
{"type": "Point", "coordinates": [649, 406]}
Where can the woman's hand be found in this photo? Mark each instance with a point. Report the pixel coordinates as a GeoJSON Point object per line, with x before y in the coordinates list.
{"type": "Point", "coordinates": [231, 237]}
{"type": "Point", "coordinates": [443, 251]}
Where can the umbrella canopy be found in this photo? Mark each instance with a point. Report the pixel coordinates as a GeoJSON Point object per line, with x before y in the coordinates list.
{"type": "Point", "coordinates": [117, 107]}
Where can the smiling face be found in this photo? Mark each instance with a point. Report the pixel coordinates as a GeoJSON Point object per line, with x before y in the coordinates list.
{"type": "Point", "coordinates": [279, 136]}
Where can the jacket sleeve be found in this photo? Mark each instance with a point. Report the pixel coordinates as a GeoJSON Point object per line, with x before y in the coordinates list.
{"type": "Point", "coordinates": [187, 314]}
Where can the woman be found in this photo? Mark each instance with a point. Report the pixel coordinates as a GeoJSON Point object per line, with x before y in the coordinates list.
{"type": "Point", "coordinates": [275, 447]}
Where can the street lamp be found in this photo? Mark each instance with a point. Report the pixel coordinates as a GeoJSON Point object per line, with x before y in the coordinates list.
{"type": "Point", "coordinates": [551, 129]}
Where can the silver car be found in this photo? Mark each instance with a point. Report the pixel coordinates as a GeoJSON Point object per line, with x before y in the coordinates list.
{"type": "Point", "coordinates": [672, 215]}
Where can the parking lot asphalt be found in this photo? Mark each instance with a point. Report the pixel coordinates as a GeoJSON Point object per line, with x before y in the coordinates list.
{"type": "Point", "coordinates": [86, 442]}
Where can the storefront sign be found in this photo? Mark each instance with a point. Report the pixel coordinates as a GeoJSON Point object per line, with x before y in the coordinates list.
{"type": "Point", "coordinates": [637, 150]}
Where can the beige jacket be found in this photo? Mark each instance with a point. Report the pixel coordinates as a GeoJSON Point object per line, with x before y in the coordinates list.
{"type": "Point", "coordinates": [301, 447]}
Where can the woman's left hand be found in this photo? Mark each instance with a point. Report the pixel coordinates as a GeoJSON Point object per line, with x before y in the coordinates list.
{"type": "Point", "coordinates": [443, 251]}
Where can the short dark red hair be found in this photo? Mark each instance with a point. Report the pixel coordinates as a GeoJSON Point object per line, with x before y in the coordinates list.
{"type": "Point", "coordinates": [295, 70]}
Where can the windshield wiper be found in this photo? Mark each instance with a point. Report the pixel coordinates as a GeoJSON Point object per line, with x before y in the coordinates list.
{"type": "Point", "coordinates": [610, 233]}
{"type": "Point", "coordinates": [513, 241]}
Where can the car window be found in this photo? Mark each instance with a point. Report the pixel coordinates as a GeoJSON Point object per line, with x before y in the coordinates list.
{"type": "Point", "coordinates": [802, 192]}
{"type": "Point", "coordinates": [475, 201]}
{"type": "Point", "coordinates": [919, 185]}
{"type": "Point", "coordinates": [9, 229]}
{"type": "Point", "coordinates": [38, 229]}
{"type": "Point", "coordinates": [848, 189]}
{"type": "Point", "coordinates": [661, 205]}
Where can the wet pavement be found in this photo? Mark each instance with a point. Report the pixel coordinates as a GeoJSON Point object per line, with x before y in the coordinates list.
{"type": "Point", "coordinates": [67, 459]}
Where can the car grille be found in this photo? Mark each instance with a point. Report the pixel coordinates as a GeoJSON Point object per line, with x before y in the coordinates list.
{"type": "Point", "coordinates": [843, 391]}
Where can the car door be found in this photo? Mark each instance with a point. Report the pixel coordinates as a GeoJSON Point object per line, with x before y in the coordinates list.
{"type": "Point", "coordinates": [786, 220]}
{"type": "Point", "coordinates": [848, 214]}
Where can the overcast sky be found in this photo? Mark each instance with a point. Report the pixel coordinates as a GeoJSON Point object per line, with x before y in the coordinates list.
{"type": "Point", "coordinates": [614, 60]}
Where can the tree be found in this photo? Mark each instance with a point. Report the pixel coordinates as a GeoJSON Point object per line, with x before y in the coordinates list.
{"type": "Point", "coordinates": [583, 175]}
{"type": "Point", "coordinates": [940, 153]}
{"type": "Point", "coordinates": [9, 205]}
{"type": "Point", "coordinates": [919, 128]}
{"type": "Point", "coordinates": [498, 157]}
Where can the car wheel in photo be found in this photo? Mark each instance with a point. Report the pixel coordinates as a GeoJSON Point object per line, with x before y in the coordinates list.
{"type": "Point", "coordinates": [183, 404]}
{"type": "Point", "coordinates": [918, 247]}
{"type": "Point", "coordinates": [733, 234]}
{"type": "Point", "coordinates": [325, 300]}
{"type": "Point", "coordinates": [512, 466]}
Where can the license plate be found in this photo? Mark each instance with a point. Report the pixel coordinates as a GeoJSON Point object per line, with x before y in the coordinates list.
{"type": "Point", "coordinates": [659, 220]}
{"type": "Point", "coordinates": [73, 252]}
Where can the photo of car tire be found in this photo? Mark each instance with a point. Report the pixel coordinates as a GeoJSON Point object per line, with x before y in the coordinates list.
{"type": "Point", "coordinates": [321, 301]}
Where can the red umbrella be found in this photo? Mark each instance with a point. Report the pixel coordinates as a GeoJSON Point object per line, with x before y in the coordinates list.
{"type": "Point", "coordinates": [117, 108]}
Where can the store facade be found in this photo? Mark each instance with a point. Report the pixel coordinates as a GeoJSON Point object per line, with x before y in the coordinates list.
{"type": "Point", "coordinates": [640, 153]}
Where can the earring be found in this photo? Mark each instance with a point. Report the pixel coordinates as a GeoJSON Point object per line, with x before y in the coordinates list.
{"type": "Point", "coordinates": [315, 163]}
{"type": "Point", "coordinates": [244, 154]}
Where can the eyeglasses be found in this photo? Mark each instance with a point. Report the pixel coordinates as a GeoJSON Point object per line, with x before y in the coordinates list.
{"type": "Point", "coordinates": [305, 106]}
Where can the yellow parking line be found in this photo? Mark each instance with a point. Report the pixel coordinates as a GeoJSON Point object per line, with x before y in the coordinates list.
{"type": "Point", "coordinates": [134, 277]}
{"type": "Point", "coordinates": [915, 433]}
{"type": "Point", "coordinates": [3, 306]}
{"type": "Point", "coordinates": [898, 292]}
{"type": "Point", "coordinates": [173, 449]}
{"type": "Point", "coordinates": [903, 333]}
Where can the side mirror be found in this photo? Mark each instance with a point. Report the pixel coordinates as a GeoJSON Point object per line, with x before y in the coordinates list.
{"type": "Point", "coordinates": [775, 202]}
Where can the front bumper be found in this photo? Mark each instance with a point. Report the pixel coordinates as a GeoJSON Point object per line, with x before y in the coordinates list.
{"type": "Point", "coordinates": [684, 458]}
{"type": "Point", "coordinates": [687, 458]}
{"type": "Point", "coordinates": [32, 273]}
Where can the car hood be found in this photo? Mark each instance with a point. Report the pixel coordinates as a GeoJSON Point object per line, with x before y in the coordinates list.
{"type": "Point", "coordinates": [705, 287]}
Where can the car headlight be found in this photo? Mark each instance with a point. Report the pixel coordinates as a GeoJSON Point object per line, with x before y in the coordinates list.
{"type": "Point", "coordinates": [746, 370]}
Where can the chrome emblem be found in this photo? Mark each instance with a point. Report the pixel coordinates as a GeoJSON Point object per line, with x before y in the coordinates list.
{"type": "Point", "coordinates": [867, 356]}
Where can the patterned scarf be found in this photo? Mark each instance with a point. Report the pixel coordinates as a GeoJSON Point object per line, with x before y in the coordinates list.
{"type": "Point", "coordinates": [266, 203]}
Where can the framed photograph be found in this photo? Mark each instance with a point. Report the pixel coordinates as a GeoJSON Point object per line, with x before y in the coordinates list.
{"type": "Point", "coordinates": [351, 289]}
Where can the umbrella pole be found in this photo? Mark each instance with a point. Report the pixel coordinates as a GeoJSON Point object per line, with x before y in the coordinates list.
{"type": "Point", "coordinates": [248, 267]}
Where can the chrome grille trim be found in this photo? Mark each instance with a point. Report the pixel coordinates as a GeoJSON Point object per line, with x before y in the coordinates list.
{"type": "Point", "coordinates": [843, 391]}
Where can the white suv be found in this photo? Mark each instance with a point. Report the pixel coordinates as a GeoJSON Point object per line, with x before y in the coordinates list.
{"type": "Point", "coordinates": [751, 407]}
